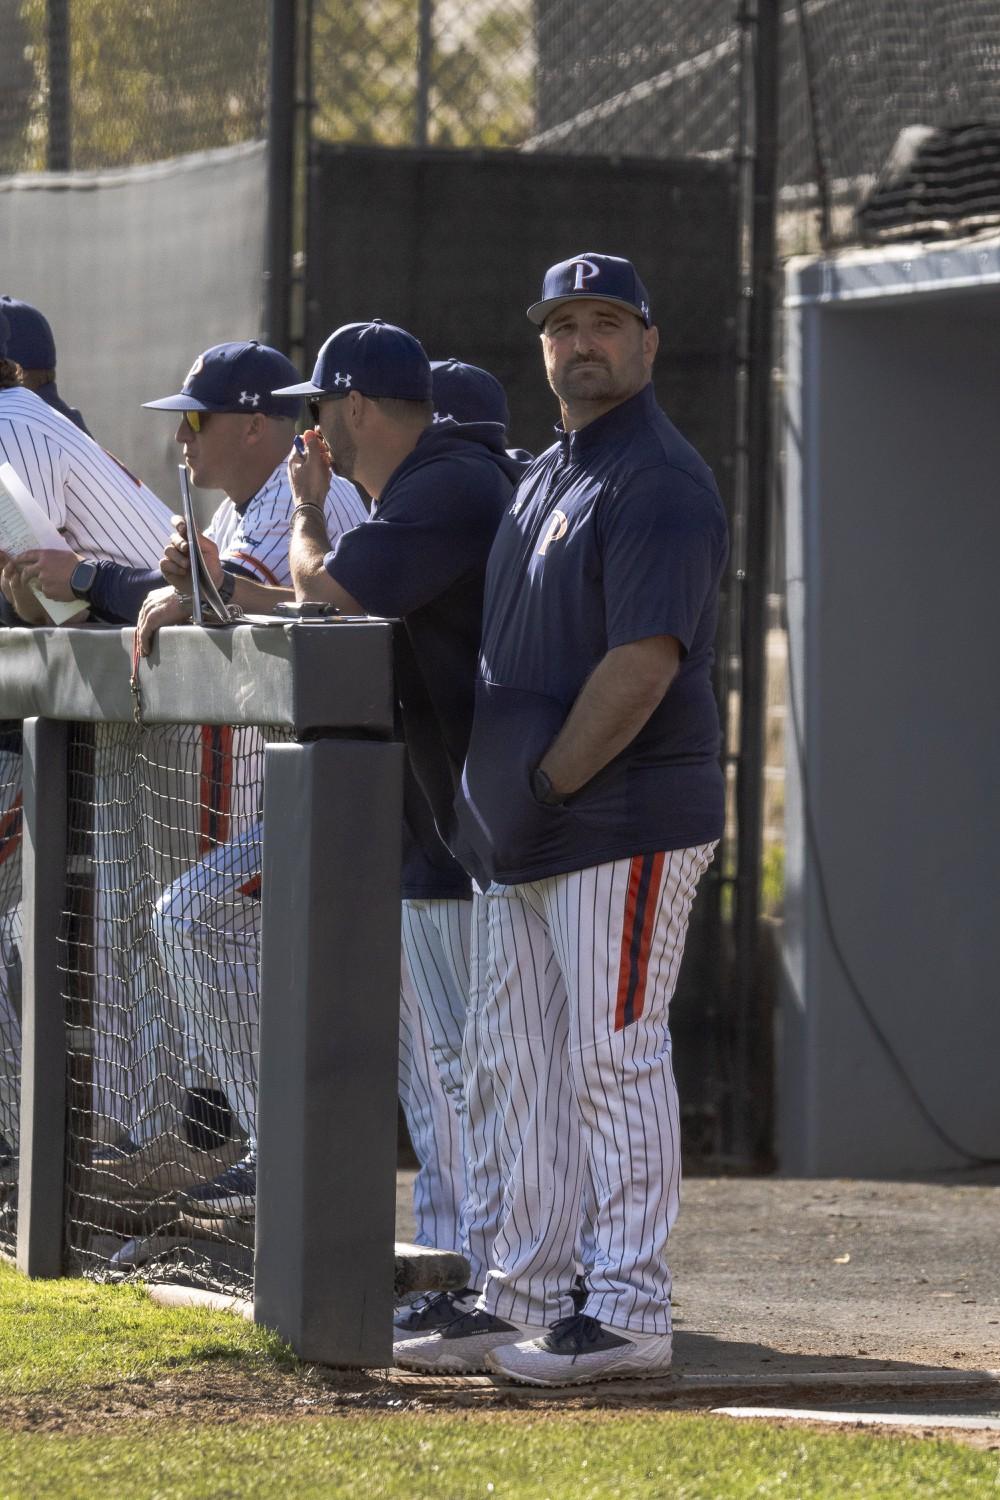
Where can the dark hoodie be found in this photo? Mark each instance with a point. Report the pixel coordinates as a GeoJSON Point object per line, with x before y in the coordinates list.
{"type": "Point", "coordinates": [421, 557]}
{"type": "Point", "coordinates": [52, 398]}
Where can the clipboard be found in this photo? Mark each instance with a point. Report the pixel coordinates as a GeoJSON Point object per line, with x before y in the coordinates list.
{"type": "Point", "coordinates": [203, 589]}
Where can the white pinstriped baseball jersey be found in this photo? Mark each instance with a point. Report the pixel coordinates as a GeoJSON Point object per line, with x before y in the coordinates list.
{"type": "Point", "coordinates": [101, 509]}
{"type": "Point", "coordinates": [255, 536]}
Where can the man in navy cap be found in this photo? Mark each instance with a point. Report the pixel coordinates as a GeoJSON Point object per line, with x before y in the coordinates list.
{"type": "Point", "coordinates": [435, 971]}
{"type": "Point", "coordinates": [438, 493]}
{"type": "Point", "coordinates": [592, 798]}
{"type": "Point", "coordinates": [31, 344]}
{"type": "Point", "coordinates": [439, 490]}
{"type": "Point", "coordinates": [235, 436]}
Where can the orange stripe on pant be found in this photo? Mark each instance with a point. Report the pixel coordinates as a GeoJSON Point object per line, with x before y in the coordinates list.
{"type": "Point", "coordinates": [10, 831]}
{"type": "Point", "coordinates": [216, 784]}
{"type": "Point", "coordinates": [641, 903]}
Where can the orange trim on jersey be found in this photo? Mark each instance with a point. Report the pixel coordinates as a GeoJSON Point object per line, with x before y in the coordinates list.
{"type": "Point", "coordinates": [125, 470]}
{"type": "Point", "coordinates": [255, 562]}
{"type": "Point", "coordinates": [10, 831]}
{"type": "Point", "coordinates": [252, 887]}
{"type": "Point", "coordinates": [641, 901]}
{"type": "Point", "coordinates": [216, 785]}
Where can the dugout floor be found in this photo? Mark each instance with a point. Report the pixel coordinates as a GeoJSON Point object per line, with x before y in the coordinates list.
{"type": "Point", "coordinates": [839, 1284]}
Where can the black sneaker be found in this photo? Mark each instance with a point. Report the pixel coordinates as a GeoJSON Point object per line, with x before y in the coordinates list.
{"type": "Point", "coordinates": [429, 1313]}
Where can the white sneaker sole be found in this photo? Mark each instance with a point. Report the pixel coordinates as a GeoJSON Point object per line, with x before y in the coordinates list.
{"type": "Point", "coordinates": [579, 1373]}
{"type": "Point", "coordinates": [437, 1358]}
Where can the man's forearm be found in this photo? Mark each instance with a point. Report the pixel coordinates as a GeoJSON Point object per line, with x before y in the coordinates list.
{"type": "Point", "coordinates": [309, 546]}
{"type": "Point", "coordinates": [258, 598]}
{"type": "Point", "coordinates": [611, 708]}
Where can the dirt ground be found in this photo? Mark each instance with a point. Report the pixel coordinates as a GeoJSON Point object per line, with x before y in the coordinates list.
{"type": "Point", "coordinates": [835, 1295]}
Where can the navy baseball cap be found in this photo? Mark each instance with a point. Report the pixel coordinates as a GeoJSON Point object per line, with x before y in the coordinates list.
{"type": "Point", "coordinates": [465, 393]}
{"type": "Point", "coordinates": [29, 337]}
{"type": "Point", "coordinates": [4, 334]}
{"type": "Point", "coordinates": [375, 359]}
{"type": "Point", "coordinates": [235, 377]}
{"type": "Point", "coordinates": [608, 277]}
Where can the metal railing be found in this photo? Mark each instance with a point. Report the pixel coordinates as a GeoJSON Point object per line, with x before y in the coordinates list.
{"type": "Point", "coordinates": [116, 811]}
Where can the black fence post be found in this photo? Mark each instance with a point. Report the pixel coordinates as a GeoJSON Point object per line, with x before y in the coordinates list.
{"type": "Point", "coordinates": [58, 154]}
{"type": "Point", "coordinates": [753, 1011]}
{"type": "Point", "coordinates": [329, 1021]}
{"type": "Point", "coordinates": [280, 173]}
{"type": "Point", "coordinates": [42, 1168]}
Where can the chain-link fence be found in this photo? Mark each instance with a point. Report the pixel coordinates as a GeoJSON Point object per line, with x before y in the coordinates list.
{"type": "Point", "coordinates": [158, 953]}
{"type": "Point", "coordinates": [121, 83]}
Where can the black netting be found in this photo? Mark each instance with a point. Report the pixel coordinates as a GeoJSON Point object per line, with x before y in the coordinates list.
{"type": "Point", "coordinates": [562, 76]}
{"type": "Point", "coordinates": [159, 952]}
{"type": "Point", "coordinates": [878, 71]}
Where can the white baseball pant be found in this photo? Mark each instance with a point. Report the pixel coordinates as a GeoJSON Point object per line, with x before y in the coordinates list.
{"type": "Point", "coordinates": [434, 1000]}
{"type": "Point", "coordinates": [570, 1053]}
{"type": "Point", "coordinates": [207, 926]}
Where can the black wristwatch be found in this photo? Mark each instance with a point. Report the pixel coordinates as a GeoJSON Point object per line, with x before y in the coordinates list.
{"type": "Point", "coordinates": [543, 790]}
{"type": "Point", "coordinates": [227, 587]}
{"type": "Point", "coordinates": [81, 580]}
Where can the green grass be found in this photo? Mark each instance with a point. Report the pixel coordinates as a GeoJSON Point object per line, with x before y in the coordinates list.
{"type": "Point", "coordinates": [57, 1336]}
{"type": "Point", "coordinates": [492, 1456]}
{"type": "Point", "coordinates": [66, 1337]}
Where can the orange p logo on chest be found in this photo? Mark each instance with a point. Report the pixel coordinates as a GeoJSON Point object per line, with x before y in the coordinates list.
{"type": "Point", "coordinates": [554, 531]}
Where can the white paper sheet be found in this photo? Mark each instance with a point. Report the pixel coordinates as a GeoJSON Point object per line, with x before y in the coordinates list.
{"type": "Point", "coordinates": [25, 526]}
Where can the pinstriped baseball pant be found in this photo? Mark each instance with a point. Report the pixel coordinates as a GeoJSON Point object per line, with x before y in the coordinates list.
{"type": "Point", "coordinates": [433, 1000]}
{"type": "Point", "coordinates": [571, 1086]}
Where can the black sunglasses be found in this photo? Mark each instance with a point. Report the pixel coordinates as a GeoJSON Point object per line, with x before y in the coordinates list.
{"type": "Point", "coordinates": [313, 402]}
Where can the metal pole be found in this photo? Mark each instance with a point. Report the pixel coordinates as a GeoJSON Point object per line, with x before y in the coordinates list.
{"type": "Point", "coordinates": [280, 173]}
{"type": "Point", "coordinates": [57, 28]}
{"type": "Point", "coordinates": [42, 1164]}
{"type": "Point", "coordinates": [425, 51]}
{"type": "Point", "coordinates": [329, 1023]}
{"type": "Point", "coordinates": [753, 1009]}
{"type": "Point", "coordinates": [812, 95]}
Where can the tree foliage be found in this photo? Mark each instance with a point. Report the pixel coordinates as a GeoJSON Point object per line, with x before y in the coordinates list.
{"type": "Point", "coordinates": [478, 77]}
{"type": "Point", "coordinates": [152, 80]}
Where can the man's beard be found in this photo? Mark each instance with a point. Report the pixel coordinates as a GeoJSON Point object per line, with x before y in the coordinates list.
{"type": "Point", "coordinates": [343, 456]}
{"type": "Point", "coordinates": [587, 380]}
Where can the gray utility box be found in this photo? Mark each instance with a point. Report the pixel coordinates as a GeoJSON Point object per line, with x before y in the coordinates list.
{"type": "Point", "coordinates": [890, 1023]}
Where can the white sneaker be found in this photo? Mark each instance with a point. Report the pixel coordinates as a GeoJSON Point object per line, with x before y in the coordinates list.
{"type": "Point", "coordinates": [462, 1346]}
{"type": "Point", "coordinates": [578, 1349]}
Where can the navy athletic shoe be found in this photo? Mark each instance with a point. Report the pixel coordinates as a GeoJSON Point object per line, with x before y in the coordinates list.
{"type": "Point", "coordinates": [429, 1313]}
{"type": "Point", "coordinates": [233, 1194]}
{"type": "Point", "coordinates": [461, 1346]}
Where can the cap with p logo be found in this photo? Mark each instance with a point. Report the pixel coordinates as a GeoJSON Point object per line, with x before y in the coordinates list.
{"type": "Point", "coordinates": [608, 277]}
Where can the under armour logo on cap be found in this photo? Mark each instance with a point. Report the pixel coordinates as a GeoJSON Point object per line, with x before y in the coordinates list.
{"type": "Point", "coordinates": [233, 377]}
{"type": "Point", "coordinates": [466, 393]}
{"type": "Point", "coordinates": [373, 359]}
{"type": "Point", "coordinates": [607, 277]}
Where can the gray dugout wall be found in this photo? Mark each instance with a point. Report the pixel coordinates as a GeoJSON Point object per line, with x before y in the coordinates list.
{"type": "Point", "coordinates": [138, 270]}
{"type": "Point", "coordinates": [892, 942]}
